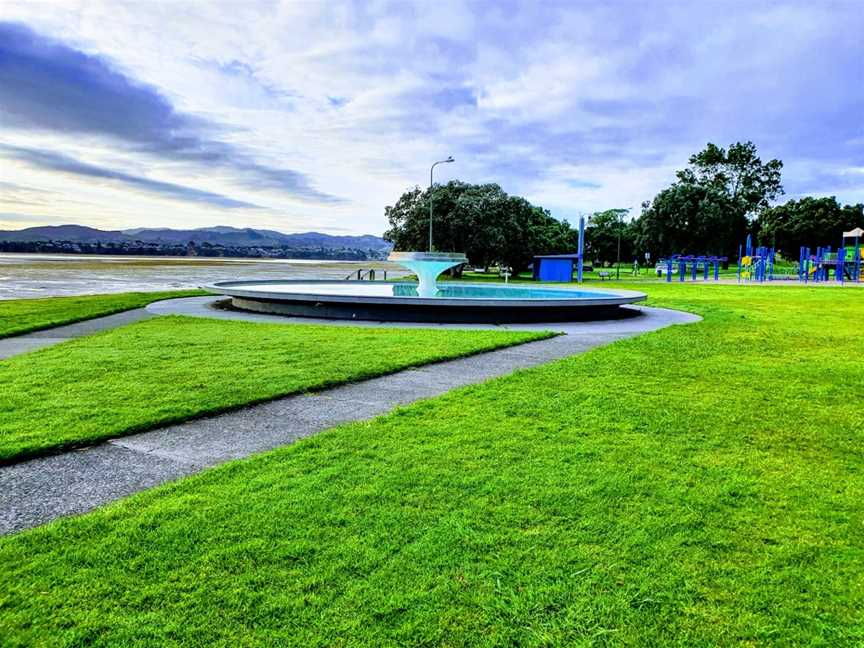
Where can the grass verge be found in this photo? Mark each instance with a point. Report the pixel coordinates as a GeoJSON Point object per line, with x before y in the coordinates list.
{"type": "Point", "coordinates": [700, 485]}
{"type": "Point", "coordinates": [170, 369]}
{"type": "Point", "coordinates": [18, 316]}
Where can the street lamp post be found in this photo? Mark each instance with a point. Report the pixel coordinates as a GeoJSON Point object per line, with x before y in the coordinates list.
{"type": "Point", "coordinates": [447, 161]}
{"type": "Point", "coordinates": [618, 262]}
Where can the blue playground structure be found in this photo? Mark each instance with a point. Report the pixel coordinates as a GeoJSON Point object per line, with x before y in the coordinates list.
{"type": "Point", "coordinates": [844, 265]}
{"type": "Point", "coordinates": [758, 265]}
{"type": "Point", "coordinates": [755, 265]}
{"type": "Point", "coordinates": [682, 261]}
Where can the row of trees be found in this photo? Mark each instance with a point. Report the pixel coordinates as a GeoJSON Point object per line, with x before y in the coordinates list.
{"type": "Point", "coordinates": [807, 222]}
{"type": "Point", "coordinates": [716, 201]}
{"type": "Point", "coordinates": [712, 203]}
{"type": "Point", "coordinates": [720, 198]}
{"type": "Point", "coordinates": [787, 227]}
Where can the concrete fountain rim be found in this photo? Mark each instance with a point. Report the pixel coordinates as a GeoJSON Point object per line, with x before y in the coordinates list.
{"type": "Point", "coordinates": [606, 297]}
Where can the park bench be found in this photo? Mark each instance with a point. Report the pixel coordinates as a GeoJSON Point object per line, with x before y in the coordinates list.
{"type": "Point", "coordinates": [604, 275]}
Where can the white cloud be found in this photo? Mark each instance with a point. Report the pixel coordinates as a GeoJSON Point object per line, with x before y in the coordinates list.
{"type": "Point", "coordinates": [567, 97]}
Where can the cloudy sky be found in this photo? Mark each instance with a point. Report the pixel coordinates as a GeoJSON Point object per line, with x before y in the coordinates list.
{"type": "Point", "coordinates": [315, 115]}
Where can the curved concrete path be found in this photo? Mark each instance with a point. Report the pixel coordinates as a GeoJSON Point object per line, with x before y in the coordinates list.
{"type": "Point", "coordinates": [36, 491]}
{"type": "Point", "coordinates": [27, 342]}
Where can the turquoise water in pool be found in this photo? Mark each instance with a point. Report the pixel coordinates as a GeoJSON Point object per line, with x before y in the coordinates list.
{"type": "Point", "coordinates": [445, 290]}
{"type": "Point", "coordinates": [475, 291]}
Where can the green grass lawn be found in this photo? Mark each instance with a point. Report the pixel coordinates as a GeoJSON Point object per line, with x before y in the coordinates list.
{"type": "Point", "coordinates": [170, 369]}
{"type": "Point", "coordinates": [19, 316]}
{"type": "Point", "coordinates": [713, 496]}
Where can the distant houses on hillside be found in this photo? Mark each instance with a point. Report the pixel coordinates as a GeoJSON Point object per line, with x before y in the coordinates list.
{"type": "Point", "coordinates": [149, 248]}
{"type": "Point", "coordinates": [205, 242]}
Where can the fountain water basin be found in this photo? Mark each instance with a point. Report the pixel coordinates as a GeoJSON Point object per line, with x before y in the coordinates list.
{"type": "Point", "coordinates": [452, 302]}
{"type": "Point", "coordinates": [425, 301]}
{"type": "Point", "coordinates": [427, 266]}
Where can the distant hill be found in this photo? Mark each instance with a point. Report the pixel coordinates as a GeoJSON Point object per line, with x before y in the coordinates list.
{"type": "Point", "coordinates": [220, 235]}
{"type": "Point", "coordinates": [77, 233]}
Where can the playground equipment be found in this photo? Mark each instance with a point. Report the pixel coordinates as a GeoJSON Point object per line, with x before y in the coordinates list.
{"type": "Point", "coordinates": [823, 265]}
{"type": "Point", "coordinates": [758, 265]}
{"type": "Point", "coordinates": [755, 264]}
{"type": "Point", "coordinates": [857, 256]}
{"type": "Point", "coordinates": [681, 261]}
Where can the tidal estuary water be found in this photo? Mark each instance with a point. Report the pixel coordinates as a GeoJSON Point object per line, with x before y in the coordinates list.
{"type": "Point", "coordinates": [50, 275]}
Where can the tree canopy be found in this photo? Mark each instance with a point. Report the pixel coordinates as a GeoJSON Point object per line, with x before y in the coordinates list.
{"type": "Point", "coordinates": [738, 173]}
{"type": "Point", "coordinates": [710, 207]}
{"type": "Point", "coordinates": [690, 219]}
{"type": "Point", "coordinates": [482, 221]}
{"type": "Point", "coordinates": [720, 197]}
{"type": "Point", "coordinates": [601, 236]}
{"type": "Point", "coordinates": [807, 222]}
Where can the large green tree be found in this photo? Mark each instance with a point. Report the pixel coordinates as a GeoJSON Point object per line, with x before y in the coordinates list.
{"type": "Point", "coordinates": [808, 222]}
{"type": "Point", "coordinates": [602, 235]}
{"type": "Point", "coordinates": [709, 209]}
{"type": "Point", "coordinates": [739, 173]}
{"type": "Point", "coordinates": [482, 221]}
{"type": "Point", "coordinates": [690, 219]}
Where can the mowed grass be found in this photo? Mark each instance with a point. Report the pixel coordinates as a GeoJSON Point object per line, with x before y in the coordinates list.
{"type": "Point", "coordinates": [169, 369]}
{"type": "Point", "coordinates": [19, 316]}
{"type": "Point", "coordinates": [701, 485]}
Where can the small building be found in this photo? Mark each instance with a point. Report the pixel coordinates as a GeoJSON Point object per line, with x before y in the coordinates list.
{"type": "Point", "coordinates": [555, 267]}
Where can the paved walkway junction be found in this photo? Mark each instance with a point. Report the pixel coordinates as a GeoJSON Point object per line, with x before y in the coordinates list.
{"type": "Point", "coordinates": [36, 491]}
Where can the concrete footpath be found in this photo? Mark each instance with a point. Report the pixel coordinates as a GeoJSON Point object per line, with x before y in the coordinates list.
{"type": "Point", "coordinates": [39, 339]}
{"type": "Point", "coordinates": [36, 491]}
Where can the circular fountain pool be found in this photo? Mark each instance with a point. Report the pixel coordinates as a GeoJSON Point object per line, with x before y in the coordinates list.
{"type": "Point", "coordinates": [401, 302]}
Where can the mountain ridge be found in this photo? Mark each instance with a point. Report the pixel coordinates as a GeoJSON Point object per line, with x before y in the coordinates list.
{"type": "Point", "coordinates": [217, 235]}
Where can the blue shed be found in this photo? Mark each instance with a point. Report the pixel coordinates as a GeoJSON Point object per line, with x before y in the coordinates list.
{"type": "Point", "coordinates": [555, 267]}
